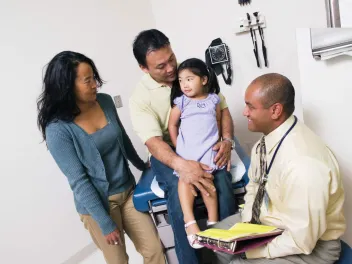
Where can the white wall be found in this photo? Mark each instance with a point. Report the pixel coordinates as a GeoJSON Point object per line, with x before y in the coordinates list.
{"type": "Point", "coordinates": [345, 13]}
{"type": "Point", "coordinates": [326, 97]}
{"type": "Point", "coordinates": [196, 23]}
{"type": "Point", "coordinates": [39, 223]}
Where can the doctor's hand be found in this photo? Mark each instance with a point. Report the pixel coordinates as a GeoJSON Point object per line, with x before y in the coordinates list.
{"type": "Point", "coordinates": [195, 174]}
{"type": "Point", "coordinates": [223, 157]}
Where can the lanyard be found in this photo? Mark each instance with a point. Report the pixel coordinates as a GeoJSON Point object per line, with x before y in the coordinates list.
{"type": "Point", "coordinates": [277, 149]}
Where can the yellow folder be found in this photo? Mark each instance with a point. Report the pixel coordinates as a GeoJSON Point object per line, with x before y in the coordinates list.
{"type": "Point", "coordinates": [239, 230]}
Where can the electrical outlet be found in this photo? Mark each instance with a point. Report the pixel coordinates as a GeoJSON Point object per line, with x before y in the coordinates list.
{"type": "Point", "coordinates": [118, 101]}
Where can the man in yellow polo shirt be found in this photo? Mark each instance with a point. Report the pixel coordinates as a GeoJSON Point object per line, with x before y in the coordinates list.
{"type": "Point", "coordinates": [150, 109]}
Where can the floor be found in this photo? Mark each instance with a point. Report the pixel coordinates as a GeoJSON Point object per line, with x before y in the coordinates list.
{"type": "Point", "coordinates": [97, 256]}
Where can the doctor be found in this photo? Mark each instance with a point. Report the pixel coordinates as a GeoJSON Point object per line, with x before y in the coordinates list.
{"type": "Point", "coordinates": [295, 182]}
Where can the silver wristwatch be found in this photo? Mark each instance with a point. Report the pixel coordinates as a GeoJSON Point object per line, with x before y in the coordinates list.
{"type": "Point", "coordinates": [233, 144]}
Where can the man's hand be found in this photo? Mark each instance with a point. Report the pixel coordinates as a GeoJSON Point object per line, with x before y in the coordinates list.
{"type": "Point", "coordinates": [195, 174]}
{"type": "Point", "coordinates": [223, 157]}
{"type": "Point", "coordinates": [114, 238]}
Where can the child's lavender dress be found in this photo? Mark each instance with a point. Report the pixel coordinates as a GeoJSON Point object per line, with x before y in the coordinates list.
{"type": "Point", "coordinates": [198, 132]}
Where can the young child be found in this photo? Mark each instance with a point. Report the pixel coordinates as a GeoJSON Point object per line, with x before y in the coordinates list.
{"type": "Point", "coordinates": [194, 126]}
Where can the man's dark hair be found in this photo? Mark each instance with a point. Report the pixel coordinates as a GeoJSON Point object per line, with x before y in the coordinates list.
{"type": "Point", "coordinates": [147, 41]}
{"type": "Point", "coordinates": [277, 88]}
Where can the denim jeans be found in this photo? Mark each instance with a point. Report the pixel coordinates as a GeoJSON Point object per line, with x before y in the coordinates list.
{"type": "Point", "coordinates": [226, 199]}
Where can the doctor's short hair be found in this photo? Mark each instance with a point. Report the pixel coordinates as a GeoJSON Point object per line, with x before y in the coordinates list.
{"type": "Point", "coordinates": [277, 88]}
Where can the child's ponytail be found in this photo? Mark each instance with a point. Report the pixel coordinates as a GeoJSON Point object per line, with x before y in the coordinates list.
{"type": "Point", "coordinates": [213, 84]}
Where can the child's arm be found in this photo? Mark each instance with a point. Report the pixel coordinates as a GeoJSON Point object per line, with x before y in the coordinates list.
{"type": "Point", "coordinates": [218, 119]}
{"type": "Point", "coordinates": [174, 123]}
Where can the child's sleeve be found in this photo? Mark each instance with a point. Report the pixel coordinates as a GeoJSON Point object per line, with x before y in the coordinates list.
{"type": "Point", "coordinates": [178, 101]}
{"type": "Point", "coordinates": [215, 98]}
